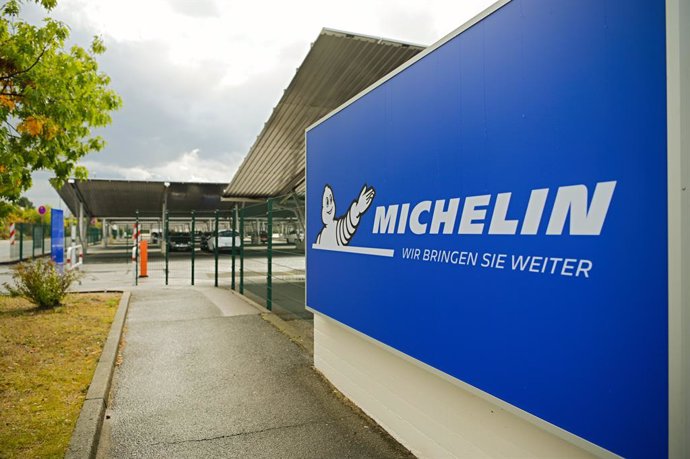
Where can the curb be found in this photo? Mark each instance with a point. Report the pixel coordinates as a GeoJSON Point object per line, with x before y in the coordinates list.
{"type": "Point", "coordinates": [14, 262]}
{"type": "Point", "coordinates": [262, 309]}
{"type": "Point", "coordinates": [290, 331]}
{"type": "Point", "coordinates": [281, 325]}
{"type": "Point", "coordinates": [84, 441]}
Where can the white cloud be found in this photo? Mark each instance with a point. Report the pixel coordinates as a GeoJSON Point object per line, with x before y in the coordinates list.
{"type": "Point", "coordinates": [202, 75]}
{"type": "Point", "coordinates": [247, 37]}
{"type": "Point", "coordinates": [187, 167]}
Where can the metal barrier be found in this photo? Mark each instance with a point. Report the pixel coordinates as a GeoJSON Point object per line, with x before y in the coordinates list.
{"type": "Point", "coordinates": [74, 257]}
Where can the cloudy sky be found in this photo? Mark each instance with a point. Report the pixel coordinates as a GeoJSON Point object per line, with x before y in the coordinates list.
{"type": "Point", "coordinates": [198, 78]}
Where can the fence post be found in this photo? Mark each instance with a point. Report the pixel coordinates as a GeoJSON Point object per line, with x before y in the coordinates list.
{"type": "Point", "coordinates": [73, 239]}
{"type": "Point", "coordinates": [193, 236]}
{"type": "Point", "coordinates": [215, 249]}
{"type": "Point", "coordinates": [136, 250]}
{"type": "Point", "coordinates": [269, 269]}
{"type": "Point", "coordinates": [242, 251]}
{"type": "Point", "coordinates": [167, 245]}
{"type": "Point", "coordinates": [234, 235]}
{"type": "Point", "coordinates": [21, 241]}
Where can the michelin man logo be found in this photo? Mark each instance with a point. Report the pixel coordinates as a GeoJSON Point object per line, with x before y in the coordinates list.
{"type": "Point", "coordinates": [338, 232]}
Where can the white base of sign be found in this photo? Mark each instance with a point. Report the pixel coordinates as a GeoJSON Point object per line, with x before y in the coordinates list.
{"type": "Point", "coordinates": [678, 103]}
{"type": "Point", "coordinates": [428, 414]}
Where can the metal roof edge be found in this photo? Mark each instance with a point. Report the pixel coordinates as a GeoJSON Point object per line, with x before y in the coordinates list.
{"type": "Point", "coordinates": [323, 32]}
{"type": "Point", "coordinates": [390, 41]}
{"type": "Point", "coordinates": [153, 182]}
{"type": "Point", "coordinates": [239, 198]}
{"type": "Point", "coordinates": [468, 24]}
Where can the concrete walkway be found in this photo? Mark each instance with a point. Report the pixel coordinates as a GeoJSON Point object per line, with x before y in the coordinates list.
{"type": "Point", "coordinates": [203, 375]}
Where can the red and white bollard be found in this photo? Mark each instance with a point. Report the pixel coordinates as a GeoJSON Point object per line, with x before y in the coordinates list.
{"type": "Point", "coordinates": [136, 233]}
{"type": "Point", "coordinates": [12, 233]}
{"type": "Point", "coordinates": [135, 241]}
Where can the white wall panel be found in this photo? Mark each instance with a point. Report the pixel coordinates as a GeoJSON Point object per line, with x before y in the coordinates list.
{"type": "Point", "coordinates": [430, 415]}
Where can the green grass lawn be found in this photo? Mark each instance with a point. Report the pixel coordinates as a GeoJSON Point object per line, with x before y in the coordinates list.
{"type": "Point", "coordinates": [47, 360]}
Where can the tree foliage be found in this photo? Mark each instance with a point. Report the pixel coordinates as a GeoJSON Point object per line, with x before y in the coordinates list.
{"type": "Point", "coordinates": [25, 203]}
{"type": "Point", "coordinates": [16, 213]}
{"type": "Point", "coordinates": [50, 100]}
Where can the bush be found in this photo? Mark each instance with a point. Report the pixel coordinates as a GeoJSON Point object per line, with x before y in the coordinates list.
{"type": "Point", "coordinates": [41, 282]}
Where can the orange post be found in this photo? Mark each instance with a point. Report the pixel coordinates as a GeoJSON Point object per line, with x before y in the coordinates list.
{"type": "Point", "coordinates": [144, 257]}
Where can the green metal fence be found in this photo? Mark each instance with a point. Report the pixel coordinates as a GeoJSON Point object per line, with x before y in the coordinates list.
{"type": "Point", "coordinates": [273, 263]}
{"type": "Point", "coordinates": [257, 250]}
{"type": "Point", "coordinates": [30, 241]}
{"type": "Point", "coordinates": [34, 240]}
{"type": "Point", "coordinates": [93, 235]}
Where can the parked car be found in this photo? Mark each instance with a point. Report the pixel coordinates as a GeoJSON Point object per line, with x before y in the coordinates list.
{"type": "Point", "coordinates": [155, 236]}
{"type": "Point", "coordinates": [224, 240]}
{"type": "Point", "coordinates": [203, 240]}
{"type": "Point", "coordinates": [179, 241]}
{"type": "Point", "coordinates": [263, 237]}
{"type": "Point", "coordinates": [294, 236]}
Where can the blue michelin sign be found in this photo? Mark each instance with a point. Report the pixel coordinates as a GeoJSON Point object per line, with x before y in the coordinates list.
{"type": "Point", "coordinates": [497, 210]}
{"type": "Point", "coordinates": [57, 236]}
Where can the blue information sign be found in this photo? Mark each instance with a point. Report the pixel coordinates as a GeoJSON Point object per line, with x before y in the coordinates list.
{"type": "Point", "coordinates": [497, 210]}
{"type": "Point", "coordinates": [57, 236]}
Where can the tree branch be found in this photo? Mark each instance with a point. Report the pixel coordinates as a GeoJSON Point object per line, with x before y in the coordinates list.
{"type": "Point", "coordinates": [14, 129]}
{"type": "Point", "coordinates": [19, 72]}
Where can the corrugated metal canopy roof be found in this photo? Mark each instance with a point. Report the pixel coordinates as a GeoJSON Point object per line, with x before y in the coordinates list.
{"type": "Point", "coordinates": [338, 66]}
{"type": "Point", "coordinates": [122, 198]}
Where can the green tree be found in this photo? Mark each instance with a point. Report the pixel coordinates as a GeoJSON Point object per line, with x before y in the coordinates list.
{"type": "Point", "coordinates": [25, 203]}
{"type": "Point", "coordinates": [50, 100]}
{"type": "Point", "coordinates": [14, 213]}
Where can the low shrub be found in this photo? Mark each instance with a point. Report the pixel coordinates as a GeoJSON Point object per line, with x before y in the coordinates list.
{"type": "Point", "coordinates": [41, 282]}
